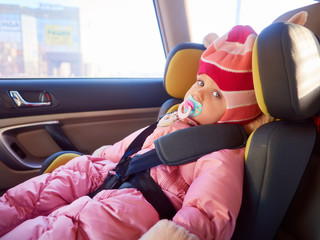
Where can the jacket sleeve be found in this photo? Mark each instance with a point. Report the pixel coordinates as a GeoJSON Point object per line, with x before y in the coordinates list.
{"type": "Point", "coordinates": [213, 200]}
{"type": "Point", "coordinates": [45, 193]}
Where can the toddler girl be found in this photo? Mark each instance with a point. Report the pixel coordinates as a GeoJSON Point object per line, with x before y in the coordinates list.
{"type": "Point", "coordinates": [206, 194]}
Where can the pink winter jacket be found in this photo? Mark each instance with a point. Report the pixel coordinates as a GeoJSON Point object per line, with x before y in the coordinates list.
{"type": "Point", "coordinates": [206, 194]}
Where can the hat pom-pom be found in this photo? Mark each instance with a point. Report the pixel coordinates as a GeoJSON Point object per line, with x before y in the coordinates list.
{"type": "Point", "coordinates": [209, 38]}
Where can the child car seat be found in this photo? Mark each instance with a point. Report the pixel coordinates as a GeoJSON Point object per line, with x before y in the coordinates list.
{"type": "Point", "coordinates": [58, 159]}
{"type": "Point", "coordinates": [278, 152]}
{"type": "Point", "coordinates": [286, 75]}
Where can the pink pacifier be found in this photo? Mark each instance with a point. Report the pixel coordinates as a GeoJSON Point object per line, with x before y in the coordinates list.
{"type": "Point", "coordinates": [189, 107]}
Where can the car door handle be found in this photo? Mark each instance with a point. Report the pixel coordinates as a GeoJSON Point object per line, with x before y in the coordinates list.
{"type": "Point", "coordinates": [20, 102]}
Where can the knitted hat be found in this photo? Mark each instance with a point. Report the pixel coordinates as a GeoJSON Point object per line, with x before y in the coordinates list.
{"type": "Point", "coordinates": [228, 62]}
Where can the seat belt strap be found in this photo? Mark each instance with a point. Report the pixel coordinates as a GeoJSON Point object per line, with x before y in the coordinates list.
{"type": "Point", "coordinates": [143, 162]}
{"type": "Point", "coordinates": [199, 139]}
{"type": "Point", "coordinates": [153, 193]}
{"type": "Point", "coordinates": [137, 143]}
{"type": "Point", "coordinates": [188, 145]}
{"type": "Point", "coordinates": [114, 181]}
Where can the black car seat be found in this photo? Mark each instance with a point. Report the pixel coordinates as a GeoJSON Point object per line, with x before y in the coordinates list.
{"type": "Point", "coordinates": [281, 192]}
{"type": "Point", "coordinates": [278, 152]}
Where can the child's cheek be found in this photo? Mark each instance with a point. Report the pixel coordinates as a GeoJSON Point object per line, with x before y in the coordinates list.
{"type": "Point", "coordinates": [186, 95]}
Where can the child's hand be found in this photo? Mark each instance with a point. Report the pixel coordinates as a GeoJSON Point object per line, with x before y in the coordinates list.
{"type": "Point", "coordinates": [98, 152]}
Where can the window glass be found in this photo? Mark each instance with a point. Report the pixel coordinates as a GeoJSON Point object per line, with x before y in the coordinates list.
{"type": "Point", "coordinates": [79, 38]}
{"type": "Point", "coordinates": [206, 16]}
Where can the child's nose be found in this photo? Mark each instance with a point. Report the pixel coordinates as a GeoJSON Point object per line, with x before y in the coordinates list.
{"type": "Point", "coordinates": [198, 95]}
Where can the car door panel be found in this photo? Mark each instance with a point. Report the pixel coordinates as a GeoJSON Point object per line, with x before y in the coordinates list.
{"type": "Point", "coordinates": [89, 113]}
{"type": "Point", "coordinates": [78, 95]}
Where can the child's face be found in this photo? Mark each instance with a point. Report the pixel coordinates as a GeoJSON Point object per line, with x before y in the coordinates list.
{"type": "Point", "coordinates": [207, 92]}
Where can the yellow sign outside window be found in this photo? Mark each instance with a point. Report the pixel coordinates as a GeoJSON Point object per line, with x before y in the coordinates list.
{"type": "Point", "coordinates": [59, 35]}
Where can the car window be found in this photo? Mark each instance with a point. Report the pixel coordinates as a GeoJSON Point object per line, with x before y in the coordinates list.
{"type": "Point", "coordinates": [79, 38]}
{"type": "Point", "coordinates": [206, 16]}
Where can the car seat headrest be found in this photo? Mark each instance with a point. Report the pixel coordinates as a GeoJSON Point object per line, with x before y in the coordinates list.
{"type": "Point", "coordinates": [286, 71]}
{"type": "Point", "coordinates": [181, 68]}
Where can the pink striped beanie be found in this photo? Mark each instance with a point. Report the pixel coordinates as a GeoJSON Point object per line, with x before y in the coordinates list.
{"type": "Point", "coordinates": [228, 62]}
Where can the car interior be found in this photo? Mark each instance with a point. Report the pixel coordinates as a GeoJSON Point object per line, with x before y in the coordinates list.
{"type": "Point", "coordinates": [282, 168]}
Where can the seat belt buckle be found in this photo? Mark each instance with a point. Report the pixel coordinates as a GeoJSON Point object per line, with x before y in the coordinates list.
{"type": "Point", "coordinates": [114, 179]}
{"type": "Point", "coordinates": [113, 172]}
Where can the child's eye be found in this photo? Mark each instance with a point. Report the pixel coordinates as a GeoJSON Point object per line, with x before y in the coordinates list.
{"type": "Point", "coordinates": [216, 94]}
{"type": "Point", "coordinates": [201, 83]}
